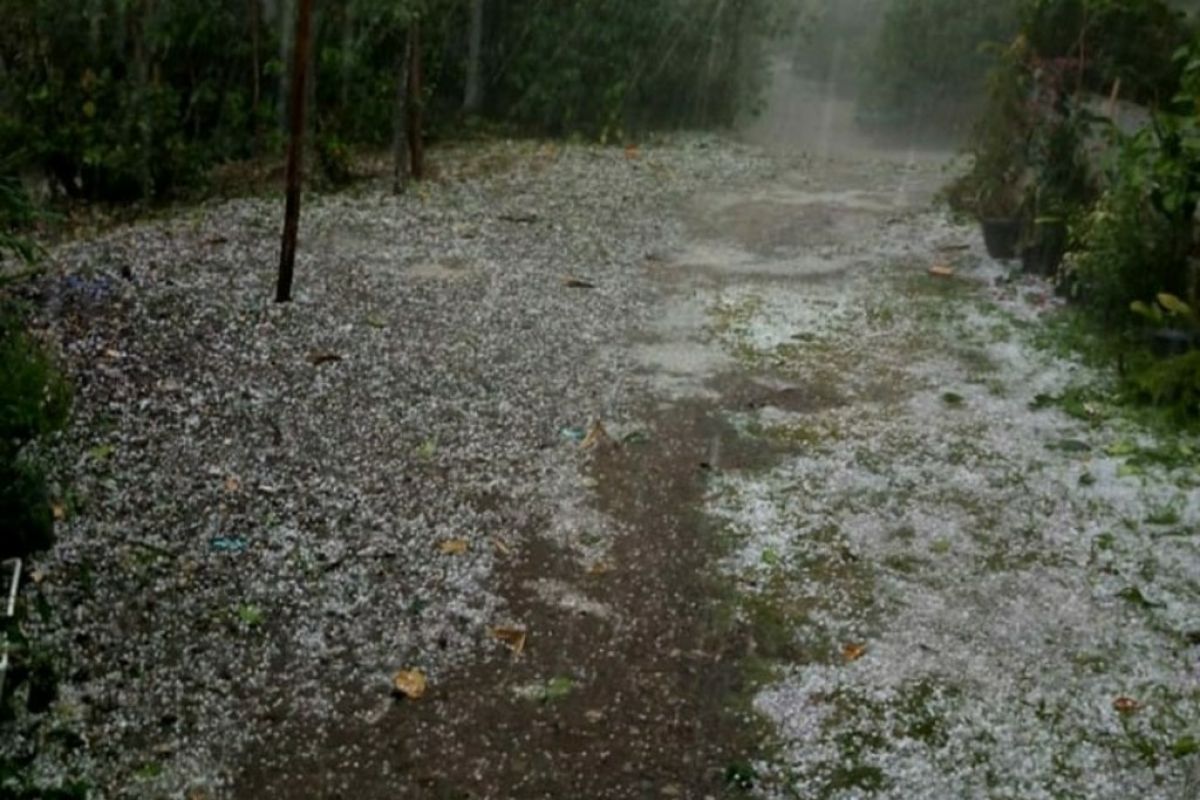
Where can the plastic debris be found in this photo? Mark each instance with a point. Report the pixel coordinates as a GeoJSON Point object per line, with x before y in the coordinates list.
{"type": "Point", "coordinates": [573, 434]}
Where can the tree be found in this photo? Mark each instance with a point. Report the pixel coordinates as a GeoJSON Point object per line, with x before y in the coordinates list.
{"type": "Point", "coordinates": [473, 97]}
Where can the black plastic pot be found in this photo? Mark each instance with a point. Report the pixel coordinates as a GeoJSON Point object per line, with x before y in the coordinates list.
{"type": "Point", "coordinates": [1167, 342]}
{"type": "Point", "coordinates": [1044, 253]}
{"type": "Point", "coordinates": [1001, 235]}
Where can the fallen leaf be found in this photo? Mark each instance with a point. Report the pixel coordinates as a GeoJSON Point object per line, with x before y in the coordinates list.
{"type": "Point", "coordinates": [319, 357]}
{"type": "Point", "coordinates": [501, 546]}
{"type": "Point", "coordinates": [520, 219]}
{"type": "Point", "coordinates": [853, 652]}
{"type": "Point", "coordinates": [597, 435]}
{"type": "Point", "coordinates": [1126, 705]}
{"type": "Point", "coordinates": [410, 683]}
{"type": "Point", "coordinates": [578, 283]}
{"type": "Point", "coordinates": [558, 688]}
{"type": "Point", "coordinates": [252, 615]}
{"type": "Point", "coordinates": [600, 568]}
{"type": "Point", "coordinates": [59, 511]}
{"type": "Point", "coordinates": [101, 452]}
{"type": "Point", "coordinates": [232, 484]}
{"type": "Point", "coordinates": [513, 637]}
{"type": "Point", "coordinates": [631, 152]}
{"type": "Point", "coordinates": [453, 547]}
{"type": "Point", "coordinates": [941, 271]}
{"type": "Point", "coordinates": [593, 716]}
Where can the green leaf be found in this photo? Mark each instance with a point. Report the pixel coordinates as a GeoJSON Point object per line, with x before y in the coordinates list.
{"type": "Point", "coordinates": [251, 615]}
{"type": "Point", "coordinates": [1174, 305]}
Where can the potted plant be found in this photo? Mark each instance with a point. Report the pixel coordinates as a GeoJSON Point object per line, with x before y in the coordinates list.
{"type": "Point", "coordinates": [995, 188]}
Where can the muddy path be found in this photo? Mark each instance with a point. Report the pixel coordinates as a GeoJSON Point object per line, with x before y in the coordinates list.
{"type": "Point", "coordinates": [638, 666]}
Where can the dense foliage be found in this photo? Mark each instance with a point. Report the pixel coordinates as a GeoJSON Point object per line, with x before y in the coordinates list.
{"type": "Point", "coordinates": [34, 400]}
{"type": "Point", "coordinates": [1048, 152]}
{"type": "Point", "coordinates": [123, 99]}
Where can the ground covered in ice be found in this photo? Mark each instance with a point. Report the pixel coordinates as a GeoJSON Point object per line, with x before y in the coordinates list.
{"type": "Point", "coordinates": [672, 471]}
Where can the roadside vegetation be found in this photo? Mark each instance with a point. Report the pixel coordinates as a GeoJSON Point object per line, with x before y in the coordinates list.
{"type": "Point", "coordinates": [1085, 164]}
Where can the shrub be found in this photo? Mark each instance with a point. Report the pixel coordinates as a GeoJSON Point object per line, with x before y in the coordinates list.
{"type": "Point", "coordinates": [1173, 383]}
{"type": "Point", "coordinates": [34, 400]}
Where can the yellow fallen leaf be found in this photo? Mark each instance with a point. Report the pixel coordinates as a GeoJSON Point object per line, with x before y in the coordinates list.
{"type": "Point", "coordinates": [853, 652]}
{"type": "Point", "coordinates": [941, 271]}
{"type": "Point", "coordinates": [504, 549]}
{"type": "Point", "coordinates": [410, 683]}
{"type": "Point", "coordinates": [59, 511]}
{"type": "Point", "coordinates": [597, 435]}
{"type": "Point", "coordinates": [513, 637]}
{"type": "Point", "coordinates": [453, 547]}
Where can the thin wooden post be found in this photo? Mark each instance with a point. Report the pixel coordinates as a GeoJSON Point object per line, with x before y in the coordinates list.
{"type": "Point", "coordinates": [291, 218]}
{"type": "Point", "coordinates": [414, 109]}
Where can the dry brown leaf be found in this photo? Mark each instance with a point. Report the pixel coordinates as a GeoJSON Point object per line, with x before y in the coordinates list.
{"type": "Point", "coordinates": [513, 637]}
{"type": "Point", "coordinates": [941, 271]}
{"type": "Point", "coordinates": [600, 568]}
{"type": "Point", "coordinates": [59, 511]}
{"type": "Point", "coordinates": [853, 652]}
{"type": "Point", "coordinates": [501, 546]}
{"type": "Point", "coordinates": [319, 357]}
{"type": "Point", "coordinates": [597, 435]}
{"type": "Point", "coordinates": [578, 283]}
{"type": "Point", "coordinates": [232, 484]}
{"type": "Point", "coordinates": [1126, 705]}
{"type": "Point", "coordinates": [453, 547]}
{"type": "Point", "coordinates": [632, 152]}
{"type": "Point", "coordinates": [410, 683]}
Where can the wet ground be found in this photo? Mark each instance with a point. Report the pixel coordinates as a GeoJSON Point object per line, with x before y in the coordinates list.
{"type": "Point", "coordinates": [771, 512]}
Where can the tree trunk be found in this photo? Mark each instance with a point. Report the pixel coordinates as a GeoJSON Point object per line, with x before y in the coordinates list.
{"type": "Point", "coordinates": [414, 102]}
{"type": "Point", "coordinates": [473, 99]}
{"type": "Point", "coordinates": [291, 219]}
{"type": "Point", "coordinates": [400, 168]}
{"type": "Point", "coordinates": [253, 9]}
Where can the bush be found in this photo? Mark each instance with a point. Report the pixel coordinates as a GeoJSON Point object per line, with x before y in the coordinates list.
{"type": "Point", "coordinates": [16, 216]}
{"type": "Point", "coordinates": [34, 400]}
{"type": "Point", "coordinates": [1140, 239]}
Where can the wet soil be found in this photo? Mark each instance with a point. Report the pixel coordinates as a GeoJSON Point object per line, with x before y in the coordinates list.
{"type": "Point", "coordinates": [653, 697]}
